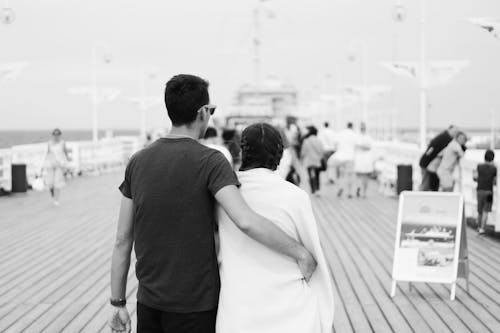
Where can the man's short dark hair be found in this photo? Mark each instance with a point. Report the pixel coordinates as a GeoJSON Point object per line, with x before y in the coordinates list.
{"type": "Point", "coordinates": [184, 95]}
{"type": "Point", "coordinates": [349, 125]}
{"type": "Point", "coordinates": [211, 132]}
{"type": "Point", "coordinates": [489, 155]}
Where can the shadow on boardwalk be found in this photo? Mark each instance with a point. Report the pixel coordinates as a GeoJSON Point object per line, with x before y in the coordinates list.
{"type": "Point", "coordinates": [54, 273]}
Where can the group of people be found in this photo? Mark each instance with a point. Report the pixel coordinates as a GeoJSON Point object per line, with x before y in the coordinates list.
{"type": "Point", "coordinates": [216, 251]}
{"type": "Point", "coordinates": [346, 157]}
{"type": "Point", "coordinates": [441, 158]}
{"type": "Point", "coordinates": [440, 162]}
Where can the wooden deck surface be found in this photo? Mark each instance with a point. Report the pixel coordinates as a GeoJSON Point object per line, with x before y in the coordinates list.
{"type": "Point", "coordinates": [54, 272]}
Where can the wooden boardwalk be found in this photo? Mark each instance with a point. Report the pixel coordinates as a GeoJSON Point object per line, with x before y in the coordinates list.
{"type": "Point", "coordinates": [54, 272]}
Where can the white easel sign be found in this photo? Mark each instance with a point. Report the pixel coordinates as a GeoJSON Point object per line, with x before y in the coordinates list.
{"type": "Point", "coordinates": [428, 238]}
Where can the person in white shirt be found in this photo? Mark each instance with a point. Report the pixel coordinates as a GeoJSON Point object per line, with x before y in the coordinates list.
{"type": "Point", "coordinates": [363, 160]}
{"type": "Point", "coordinates": [328, 139]}
{"type": "Point", "coordinates": [343, 159]}
{"type": "Point", "coordinates": [212, 140]}
{"type": "Point", "coordinates": [451, 156]}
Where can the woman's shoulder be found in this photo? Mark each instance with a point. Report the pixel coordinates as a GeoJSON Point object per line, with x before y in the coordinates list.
{"type": "Point", "coordinates": [293, 191]}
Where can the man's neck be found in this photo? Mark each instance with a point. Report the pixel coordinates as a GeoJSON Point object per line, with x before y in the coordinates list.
{"type": "Point", "coordinates": [184, 131]}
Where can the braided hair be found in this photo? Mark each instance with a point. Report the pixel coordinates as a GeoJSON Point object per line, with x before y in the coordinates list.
{"type": "Point", "coordinates": [261, 147]}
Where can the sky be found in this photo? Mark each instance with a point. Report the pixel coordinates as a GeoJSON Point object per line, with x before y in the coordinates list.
{"type": "Point", "coordinates": [305, 43]}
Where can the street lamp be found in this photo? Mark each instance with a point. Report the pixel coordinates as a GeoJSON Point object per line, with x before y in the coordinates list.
{"type": "Point", "coordinates": [7, 15]}
{"type": "Point", "coordinates": [257, 39]}
{"type": "Point", "coordinates": [94, 89]}
{"type": "Point", "coordinates": [398, 16]}
{"type": "Point", "coordinates": [423, 78]}
{"type": "Point", "coordinates": [362, 47]}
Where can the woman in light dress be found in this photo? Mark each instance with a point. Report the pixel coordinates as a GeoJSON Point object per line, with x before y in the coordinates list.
{"type": "Point", "coordinates": [55, 164]}
{"type": "Point", "coordinates": [263, 291]}
{"type": "Point", "coordinates": [363, 160]}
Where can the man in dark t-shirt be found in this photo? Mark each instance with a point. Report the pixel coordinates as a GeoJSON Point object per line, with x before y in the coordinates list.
{"type": "Point", "coordinates": [485, 175]}
{"type": "Point", "coordinates": [430, 180]}
{"type": "Point", "coordinates": [167, 214]}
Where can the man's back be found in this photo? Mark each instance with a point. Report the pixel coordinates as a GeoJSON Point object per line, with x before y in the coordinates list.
{"type": "Point", "coordinates": [328, 138]}
{"type": "Point", "coordinates": [486, 174]}
{"type": "Point", "coordinates": [172, 184]}
{"type": "Point", "coordinates": [346, 145]}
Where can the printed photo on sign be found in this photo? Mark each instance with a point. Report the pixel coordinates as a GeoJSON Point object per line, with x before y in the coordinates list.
{"type": "Point", "coordinates": [427, 244]}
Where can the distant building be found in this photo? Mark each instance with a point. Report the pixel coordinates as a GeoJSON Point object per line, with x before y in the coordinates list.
{"type": "Point", "coordinates": [273, 99]}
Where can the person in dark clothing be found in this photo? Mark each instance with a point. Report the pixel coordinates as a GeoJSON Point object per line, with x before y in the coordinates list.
{"type": "Point", "coordinates": [231, 141]}
{"type": "Point", "coordinates": [167, 215]}
{"type": "Point", "coordinates": [430, 180]}
{"type": "Point", "coordinates": [485, 175]}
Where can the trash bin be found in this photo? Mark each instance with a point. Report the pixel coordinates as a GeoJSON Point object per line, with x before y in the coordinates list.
{"type": "Point", "coordinates": [19, 178]}
{"type": "Point", "coordinates": [404, 181]}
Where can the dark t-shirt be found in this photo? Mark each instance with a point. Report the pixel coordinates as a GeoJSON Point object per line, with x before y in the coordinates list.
{"type": "Point", "coordinates": [172, 184]}
{"type": "Point", "coordinates": [486, 173]}
{"type": "Point", "coordinates": [435, 147]}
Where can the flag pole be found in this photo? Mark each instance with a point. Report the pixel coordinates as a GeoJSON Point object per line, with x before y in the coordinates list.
{"type": "Point", "coordinates": [492, 134]}
{"type": "Point", "coordinates": [93, 78]}
{"type": "Point", "coordinates": [423, 78]}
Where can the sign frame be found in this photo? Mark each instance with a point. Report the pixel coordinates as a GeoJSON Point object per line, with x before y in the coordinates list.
{"type": "Point", "coordinates": [460, 257]}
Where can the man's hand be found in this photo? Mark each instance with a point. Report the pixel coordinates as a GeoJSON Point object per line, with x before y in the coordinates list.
{"type": "Point", "coordinates": [119, 321]}
{"type": "Point", "coordinates": [307, 265]}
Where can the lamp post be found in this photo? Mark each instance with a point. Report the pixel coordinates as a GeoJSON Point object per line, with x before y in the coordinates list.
{"type": "Point", "coordinates": [398, 16]}
{"type": "Point", "coordinates": [7, 14]}
{"type": "Point", "coordinates": [94, 90]}
{"type": "Point", "coordinates": [423, 78]}
{"type": "Point", "coordinates": [362, 48]}
{"type": "Point", "coordinates": [257, 40]}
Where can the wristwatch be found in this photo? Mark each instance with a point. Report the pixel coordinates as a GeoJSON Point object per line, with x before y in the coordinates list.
{"type": "Point", "coordinates": [120, 302]}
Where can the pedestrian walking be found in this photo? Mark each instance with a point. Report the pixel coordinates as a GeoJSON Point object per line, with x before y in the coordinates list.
{"type": "Point", "coordinates": [261, 290]}
{"type": "Point", "coordinates": [343, 159]}
{"type": "Point", "coordinates": [363, 160]}
{"type": "Point", "coordinates": [312, 153]}
{"type": "Point", "coordinates": [328, 139]}
{"type": "Point", "coordinates": [55, 165]}
{"type": "Point", "coordinates": [486, 176]}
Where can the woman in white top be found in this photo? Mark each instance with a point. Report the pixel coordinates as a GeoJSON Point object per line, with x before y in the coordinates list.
{"type": "Point", "coordinates": [363, 160]}
{"type": "Point", "coordinates": [56, 162]}
{"type": "Point", "coordinates": [263, 291]}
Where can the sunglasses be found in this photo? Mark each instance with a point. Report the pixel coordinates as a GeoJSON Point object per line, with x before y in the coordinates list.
{"type": "Point", "coordinates": [210, 108]}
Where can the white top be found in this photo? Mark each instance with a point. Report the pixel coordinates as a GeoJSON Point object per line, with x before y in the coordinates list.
{"type": "Point", "coordinates": [363, 159]}
{"type": "Point", "coordinates": [451, 155]}
{"type": "Point", "coordinates": [262, 291]}
{"type": "Point", "coordinates": [328, 138]}
{"type": "Point", "coordinates": [56, 156]}
{"type": "Point", "coordinates": [347, 140]}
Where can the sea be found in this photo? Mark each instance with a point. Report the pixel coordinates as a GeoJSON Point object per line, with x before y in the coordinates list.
{"type": "Point", "coordinates": [9, 138]}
